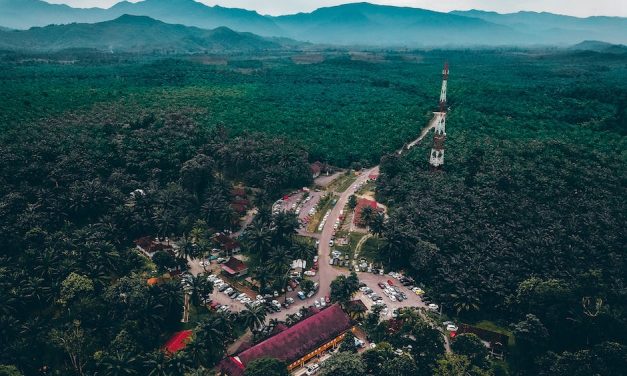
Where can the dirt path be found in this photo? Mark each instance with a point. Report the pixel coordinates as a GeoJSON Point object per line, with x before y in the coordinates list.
{"type": "Point", "coordinates": [423, 133]}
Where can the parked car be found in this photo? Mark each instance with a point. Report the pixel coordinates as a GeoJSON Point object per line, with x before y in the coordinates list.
{"type": "Point", "coordinates": [381, 284]}
{"type": "Point", "coordinates": [301, 295]}
{"type": "Point", "coordinates": [290, 300]}
{"type": "Point", "coordinates": [452, 328]}
{"type": "Point", "coordinates": [312, 369]}
{"type": "Point", "coordinates": [390, 282]}
{"type": "Point", "coordinates": [433, 307]}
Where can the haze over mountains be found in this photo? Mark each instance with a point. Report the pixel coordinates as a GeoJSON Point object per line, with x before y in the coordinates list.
{"type": "Point", "coordinates": [349, 24]}
{"type": "Point", "coordinates": [139, 34]}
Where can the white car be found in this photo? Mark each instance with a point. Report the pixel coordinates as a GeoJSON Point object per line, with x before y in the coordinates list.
{"type": "Point", "coordinates": [323, 303]}
{"type": "Point", "coordinates": [228, 291]}
{"type": "Point", "coordinates": [312, 369]}
{"type": "Point", "coordinates": [331, 243]}
{"type": "Point", "coordinates": [452, 327]}
{"type": "Point", "coordinates": [310, 273]}
{"type": "Point", "coordinates": [392, 297]}
{"type": "Point", "coordinates": [433, 307]}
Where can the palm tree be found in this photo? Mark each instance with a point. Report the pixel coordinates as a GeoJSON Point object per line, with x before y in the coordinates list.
{"type": "Point", "coordinates": [215, 333]}
{"type": "Point", "coordinates": [465, 300]}
{"type": "Point", "coordinates": [302, 251]}
{"type": "Point", "coordinates": [196, 351]}
{"type": "Point", "coordinates": [285, 226]}
{"type": "Point", "coordinates": [187, 249]}
{"type": "Point", "coordinates": [253, 316]}
{"type": "Point", "coordinates": [280, 260]}
{"type": "Point", "coordinates": [118, 364]}
{"type": "Point", "coordinates": [198, 287]}
{"type": "Point", "coordinates": [258, 239]}
{"type": "Point", "coordinates": [367, 214]}
{"type": "Point", "coordinates": [377, 224]}
{"type": "Point", "coordinates": [263, 276]}
{"type": "Point", "coordinates": [155, 364]}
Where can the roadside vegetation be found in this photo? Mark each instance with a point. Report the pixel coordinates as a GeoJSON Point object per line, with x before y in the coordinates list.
{"type": "Point", "coordinates": [525, 226]}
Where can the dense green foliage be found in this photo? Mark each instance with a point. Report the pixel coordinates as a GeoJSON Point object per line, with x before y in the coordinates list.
{"type": "Point", "coordinates": [528, 216]}
{"type": "Point", "coordinates": [526, 225]}
{"type": "Point", "coordinates": [74, 292]}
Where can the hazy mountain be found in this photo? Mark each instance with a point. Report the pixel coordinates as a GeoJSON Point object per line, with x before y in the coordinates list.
{"type": "Point", "coordinates": [364, 23]}
{"type": "Point", "coordinates": [359, 23]}
{"type": "Point", "coordinates": [555, 28]}
{"type": "Point", "coordinates": [22, 14]}
{"type": "Point", "coordinates": [132, 34]}
{"type": "Point", "coordinates": [597, 46]}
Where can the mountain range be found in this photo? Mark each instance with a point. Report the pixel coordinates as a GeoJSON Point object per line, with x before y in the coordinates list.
{"type": "Point", "coordinates": [139, 34]}
{"type": "Point", "coordinates": [348, 24]}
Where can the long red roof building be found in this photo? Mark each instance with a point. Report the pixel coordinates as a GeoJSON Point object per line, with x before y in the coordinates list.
{"type": "Point", "coordinates": [293, 343]}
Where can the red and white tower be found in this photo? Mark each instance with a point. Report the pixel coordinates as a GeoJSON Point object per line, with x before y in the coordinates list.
{"type": "Point", "coordinates": [436, 159]}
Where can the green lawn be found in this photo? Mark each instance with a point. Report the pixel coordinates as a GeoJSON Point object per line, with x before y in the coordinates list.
{"type": "Point", "coordinates": [371, 250]}
{"type": "Point", "coordinates": [343, 182]}
{"type": "Point", "coordinates": [489, 325]}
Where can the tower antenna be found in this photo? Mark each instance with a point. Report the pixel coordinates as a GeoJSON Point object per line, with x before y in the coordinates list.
{"type": "Point", "coordinates": [436, 158]}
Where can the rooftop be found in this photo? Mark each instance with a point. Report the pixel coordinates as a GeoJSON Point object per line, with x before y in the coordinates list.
{"type": "Point", "coordinates": [293, 343]}
{"type": "Point", "coordinates": [177, 341]}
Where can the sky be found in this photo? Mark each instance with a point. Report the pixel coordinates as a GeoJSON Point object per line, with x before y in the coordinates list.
{"type": "Point", "coordinates": [580, 8]}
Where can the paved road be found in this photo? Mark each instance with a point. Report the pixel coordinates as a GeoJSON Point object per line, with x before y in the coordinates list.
{"type": "Point", "coordinates": [328, 272]}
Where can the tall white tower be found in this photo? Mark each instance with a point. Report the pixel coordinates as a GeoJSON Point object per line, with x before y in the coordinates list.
{"type": "Point", "coordinates": [436, 158]}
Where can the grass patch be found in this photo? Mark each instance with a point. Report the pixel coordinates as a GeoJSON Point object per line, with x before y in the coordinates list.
{"type": "Point", "coordinates": [343, 182]}
{"type": "Point", "coordinates": [326, 203]}
{"type": "Point", "coordinates": [371, 250]}
{"type": "Point", "coordinates": [489, 325]}
{"type": "Point", "coordinates": [368, 187]}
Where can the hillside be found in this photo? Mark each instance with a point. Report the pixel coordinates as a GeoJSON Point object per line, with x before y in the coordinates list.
{"type": "Point", "coordinates": [23, 14]}
{"type": "Point", "coordinates": [364, 23]}
{"type": "Point", "coordinates": [358, 23]}
{"type": "Point", "coordinates": [555, 28]}
{"type": "Point", "coordinates": [132, 34]}
{"type": "Point", "coordinates": [594, 45]}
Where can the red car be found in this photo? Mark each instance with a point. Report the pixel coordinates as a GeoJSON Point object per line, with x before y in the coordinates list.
{"type": "Point", "coordinates": [390, 282]}
{"type": "Point", "coordinates": [327, 299]}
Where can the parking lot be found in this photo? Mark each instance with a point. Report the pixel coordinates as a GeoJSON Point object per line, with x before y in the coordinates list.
{"type": "Point", "coordinates": [304, 207]}
{"type": "Point", "coordinates": [386, 289]}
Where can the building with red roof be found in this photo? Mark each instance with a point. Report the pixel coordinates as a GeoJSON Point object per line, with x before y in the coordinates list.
{"type": "Point", "coordinates": [234, 267]}
{"type": "Point", "coordinates": [361, 204]}
{"type": "Point", "coordinates": [296, 345]}
{"type": "Point", "coordinates": [177, 341]}
{"type": "Point", "coordinates": [149, 246]}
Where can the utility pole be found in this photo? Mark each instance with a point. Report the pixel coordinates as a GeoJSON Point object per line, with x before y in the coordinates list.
{"type": "Point", "coordinates": [436, 158]}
